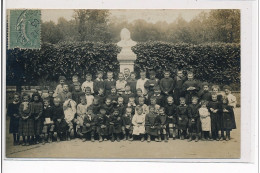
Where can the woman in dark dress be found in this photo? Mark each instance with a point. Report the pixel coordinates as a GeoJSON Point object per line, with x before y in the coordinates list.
{"type": "Point", "coordinates": [13, 113]}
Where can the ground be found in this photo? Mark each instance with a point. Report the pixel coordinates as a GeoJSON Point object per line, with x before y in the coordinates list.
{"type": "Point", "coordinates": [125, 149]}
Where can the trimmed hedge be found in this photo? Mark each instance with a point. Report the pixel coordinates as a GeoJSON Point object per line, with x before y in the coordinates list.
{"type": "Point", "coordinates": [216, 63]}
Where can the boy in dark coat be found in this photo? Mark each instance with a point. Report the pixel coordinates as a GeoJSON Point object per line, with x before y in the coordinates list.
{"type": "Point", "coordinates": [215, 116]}
{"type": "Point", "coordinates": [109, 82]}
{"type": "Point", "coordinates": [160, 99]}
{"type": "Point", "coordinates": [13, 113]}
{"type": "Point", "coordinates": [194, 119]}
{"type": "Point", "coordinates": [151, 83]}
{"type": "Point", "coordinates": [182, 118]}
{"type": "Point", "coordinates": [229, 122]}
{"type": "Point", "coordinates": [132, 82]}
{"type": "Point", "coordinates": [115, 128]}
{"type": "Point", "coordinates": [98, 82]}
{"type": "Point", "coordinates": [190, 87]}
{"type": "Point", "coordinates": [58, 119]}
{"type": "Point", "coordinates": [170, 111]}
{"type": "Point", "coordinates": [167, 84]}
{"type": "Point", "coordinates": [101, 96]}
{"type": "Point", "coordinates": [179, 80]}
{"type": "Point", "coordinates": [163, 123]}
{"type": "Point", "coordinates": [101, 126]}
{"type": "Point", "coordinates": [113, 95]}
{"type": "Point", "coordinates": [127, 127]}
{"type": "Point", "coordinates": [77, 93]}
{"type": "Point", "coordinates": [95, 106]}
{"type": "Point", "coordinates": [120, 106]}
{"type": "Point", "coordinates": [48, 124]}
{"type": "Point", "coordinates": [89, 125]}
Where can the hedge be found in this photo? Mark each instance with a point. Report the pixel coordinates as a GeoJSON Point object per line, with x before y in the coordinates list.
{"type": "Point", "coordinates": [216, 63]}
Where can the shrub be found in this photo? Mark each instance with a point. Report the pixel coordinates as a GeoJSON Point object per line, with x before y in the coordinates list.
{"type": "Point", "coordinates": [216, 63]}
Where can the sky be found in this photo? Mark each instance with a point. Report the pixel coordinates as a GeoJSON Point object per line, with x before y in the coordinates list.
{"type": "Point", "coordinates": [152, 16]}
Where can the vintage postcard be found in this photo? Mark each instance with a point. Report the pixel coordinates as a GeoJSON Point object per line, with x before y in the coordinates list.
{"type": "Point", "coordinates": [96, 83]}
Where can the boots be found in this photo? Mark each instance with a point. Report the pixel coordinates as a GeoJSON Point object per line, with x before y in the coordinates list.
{"type": "Point", "coordinates": [197, 138]}
{"type": "Point", "coordinates": [92, 139]}
{"type": "Point", "coordinates": [165, 138]}
{"type": "Point", "coordinates": [148, 138]}
{"type": "Point", "coordinates": [190, 139]}
{"type": "Point", "coordinates": [124, 139]}
{"type": "Point", "coordinates": [130, 137]}
{"type": "Point", "coordinates": [112, 138]}
{"type": "Point", "coordinates": [142, 139]}
{"type": "Point", "coordinates": [159, 138]}
{"type": "Point", "coordinates": [100, 138]}
{"type": "Point", "coordinates": [117, 138]}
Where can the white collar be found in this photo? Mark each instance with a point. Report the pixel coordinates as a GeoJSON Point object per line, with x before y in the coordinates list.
{"type": "Point", "coordinates": [99, 79]}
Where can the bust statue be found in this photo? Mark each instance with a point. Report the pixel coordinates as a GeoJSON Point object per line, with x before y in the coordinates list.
{"type": "Point", "coordinates": [126, 43]}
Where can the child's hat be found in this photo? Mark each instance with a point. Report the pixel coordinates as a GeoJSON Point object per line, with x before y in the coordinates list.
{"type": "Point", "coordinates": [62, 78]}
{"type": "Point", "coordinates": [205, 84]}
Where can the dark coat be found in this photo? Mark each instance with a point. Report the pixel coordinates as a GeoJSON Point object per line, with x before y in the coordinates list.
{"type": "Point", "coordinates": [216, 118]}
{"type": "Point", "coordinates": [152, 124]}
{"type": "Point", "coordinates": [182, 117]}
{"type": "Point", "coordinates": [171, 112]}
{"type": "Point", "coordinates": [12, 109]}
{"type": "Point", "coordinates": [229, 122]}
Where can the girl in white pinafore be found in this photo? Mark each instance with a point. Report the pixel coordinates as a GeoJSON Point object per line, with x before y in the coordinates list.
{"type": "Point", "coordinates": [138, 122]}
{"type": "Point", "coordinates": [205, 120]}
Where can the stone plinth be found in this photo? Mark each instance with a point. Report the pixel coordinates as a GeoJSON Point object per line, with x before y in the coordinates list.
{"type": "Point", "coordinates": [126, 57]}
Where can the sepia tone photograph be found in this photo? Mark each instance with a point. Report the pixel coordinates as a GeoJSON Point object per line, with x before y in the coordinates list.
{"type": "Point", "coordinates": [123, 84]}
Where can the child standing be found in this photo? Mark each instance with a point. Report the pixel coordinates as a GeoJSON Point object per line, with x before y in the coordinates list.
{"type": "Point", "coordinates": [138, 122]}
{"type": "Point", "coordinates": [205, 120]}
{"type": "Point", "coordinates": [152, 125]}
{"type": "Point", "coordinates": [232, 101]}
{"type": "Point", "coordinates": [190, 87]}
{"type": "Point", "coordinates": [170, 111]}
{"type": "Point", "coordinates": [89, 97]}
{"type": "Point", "coordinates": [204, 94]}
{"type": "Point", "coordinates": [81, 111]}
{"type": "Point", "coordinates": [215, 117]}
{"type": "Point", "coordinates": [36, 113]}
{"type": "Point", "coordinates": [229, 122]}
{"type": "Point", "coordinates": [140, 82]}
{"type": "Point", "coordinates": [77, 93]}
{"type": "Point", "coordinates": [59, 88]}
{"type": "Point", "coordinates": [167, 84]}
{"type": "Point", "coordinates": [151, 83]}
{"type": "Point", "coordinates": [70, 110]}
{"type": "Point", "coordinates": [163, 124]}
{"type": "Point", "coordinates": [182, 118]}
{"type": "Point", "coordinates": [13, 113]}
{"type": "Point", "coordinates": [120, 84]}
{"type": "Point", "coordinates": [98, 82]}
{"type": "Point", "coordinates": [88, 83]}
{"type": "Point", "coordinates": [48, 124]}
{"type": "Point", "coordinates": [109, 82]}
{"type": "Point", "coordinates": [58, 118]}
{"type": "Point", "coordinates": [132, 82]}
{"type": "Point", "coordinates": [26, 123]}
{"type": "Point", "coordinates": [127, 127]}
{"type": "Point", "coordinates": [194, 121]}
{"type": "Point", "coordinates": [179, 80]}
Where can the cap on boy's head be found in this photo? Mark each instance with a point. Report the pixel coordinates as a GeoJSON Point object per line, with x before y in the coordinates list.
{"type": "Point", "coordinates": [169, 98]}
{"type": "Point", "coordinates": [152, 72]}
{"type": "Point", "coordinates": [227, 87]}
{"type": "Point", "coordinates": [62, 78]}
{"type": "Point", "coordinates": [205, 84]}
{"type": "Point", "coordinates": [194, 98]}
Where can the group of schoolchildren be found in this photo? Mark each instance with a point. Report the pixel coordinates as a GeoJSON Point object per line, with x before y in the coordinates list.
{"type": "Point", "coordinates": [128, 109]}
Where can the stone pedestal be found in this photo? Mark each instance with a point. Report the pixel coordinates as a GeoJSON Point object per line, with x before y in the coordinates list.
{"type": "Point", "coordinates": [126, 57]}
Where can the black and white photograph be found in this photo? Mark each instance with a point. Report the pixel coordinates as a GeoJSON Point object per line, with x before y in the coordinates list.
{"type": "Point", "coordinates": [123, 83]}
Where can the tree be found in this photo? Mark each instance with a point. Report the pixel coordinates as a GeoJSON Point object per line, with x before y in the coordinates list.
{"type": "Point", "coordinates": [92, 25]}
{"type": "Point", "coordinates": [50, 33]}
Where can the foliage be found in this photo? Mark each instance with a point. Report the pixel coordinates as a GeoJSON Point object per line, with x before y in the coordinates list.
{"type": "Point", "coordinates": [67, 58]}
{"type": "Point", "coordinates": [216, 63]}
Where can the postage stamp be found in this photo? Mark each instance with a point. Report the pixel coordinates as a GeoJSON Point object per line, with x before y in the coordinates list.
{"type": "Point", "coordinates": [24, 29]}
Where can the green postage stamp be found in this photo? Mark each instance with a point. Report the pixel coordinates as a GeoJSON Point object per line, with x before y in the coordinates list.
{"type": "Point", "coordinates": [24, 29]}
